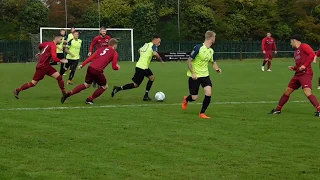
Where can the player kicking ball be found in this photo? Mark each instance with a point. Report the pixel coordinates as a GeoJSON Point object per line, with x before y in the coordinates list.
{"type": "Point", "coordinates": [303, 55]}
{"type": "Point", "coordinates": [47, 52]}
{"type": "Point", "coordinates": [198, 73]}
{"type": "Point", "coordinates": [147, 51]}
{"type": "Point", "coordinates": [95, 71]}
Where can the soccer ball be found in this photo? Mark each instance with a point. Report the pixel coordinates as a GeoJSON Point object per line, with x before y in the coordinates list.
{"type": "Point", "coordinates": [160, 96]}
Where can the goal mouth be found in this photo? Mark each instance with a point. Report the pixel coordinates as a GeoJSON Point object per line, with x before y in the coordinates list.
{"type": "Point", "coordinates": [123, 35]}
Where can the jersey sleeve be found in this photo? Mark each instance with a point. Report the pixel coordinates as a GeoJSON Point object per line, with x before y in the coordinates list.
{"type": "Point", "coordinates": [54, 53]}
{"type": "Point", "coordinates": [263, 43]}
{"type": "Point", "coordinates": [154, 48]}
{"type": "Point", "coordinates": [90, 59]}
{"type": "Point", "coordinates": [318, 53]}
{"type": "Point", "coordinates": [310, 53]}
{"type": "Point", "coordinates": [94, 42]}
{"type": "Point", "coordinates": [213, 59]}
{"type": "Point", "coordinates": [115, 61]}
{"type": "Point", "coordinates": [41, 46]}
{"type": "Point", "coordinates": [274, 45]}
{"type": "Point", "coordinates": [195, 51]}
{"type": "Point", "coordinates": [70, 42]}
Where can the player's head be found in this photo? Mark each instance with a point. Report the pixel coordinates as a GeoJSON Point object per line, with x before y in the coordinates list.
{"type": "Point", "coordinates": [62, 32]}
{"type": "Point", "coordinates": [113, 43]}
{"type": "Point", "coordinates": [210, 36]}
{"type": "Point", "coordinates": [156, 40]}
{"type": "Point", "coordinates": [103, 31]}
{"type": "Point", "coordinates": [73, 29]}
{"type": "Point", "coordinates": [57, 39]}
{"type": "Point", "coordinates": [295, 41]}
{"type": "Point", "coordinates": [268, 34]}
{"type": "Point", "coordinates": [75, 34]}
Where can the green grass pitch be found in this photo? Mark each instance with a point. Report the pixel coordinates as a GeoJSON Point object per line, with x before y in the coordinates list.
{"type": "Point", "coordinates": [126, 138]}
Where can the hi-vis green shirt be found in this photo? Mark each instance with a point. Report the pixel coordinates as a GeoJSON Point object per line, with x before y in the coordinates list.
{"type": "Point", "coordinates": [146, 54]}
{"type": "Point", "coordinates": [70, 36]}
{"type": "Point", "coordinates": [74, 48]}
{"type": "Point", "coordinates": [60, 47]}
{"type": "Point", "coordinates": [201, 56]}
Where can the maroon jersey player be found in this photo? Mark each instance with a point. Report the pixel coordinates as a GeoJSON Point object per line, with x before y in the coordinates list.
{"type": "Point", "coordinates": [303, 56]}
{"type": "Point", "coordinates": [47, 52]}
{"type": "Point", "coordinates": [268, 44]}
{"type": "Point", "coordinates": [95, 71]}
{"type": "Point", "coordinates": [100, 41]}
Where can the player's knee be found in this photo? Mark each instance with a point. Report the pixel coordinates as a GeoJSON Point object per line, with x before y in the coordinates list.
{"type": "Point", "coordinates": [34, 82]}
{"type": "Point", "coordinates": [59, 78]}
{"type": "Point", "coordinates": [105, 86]}
{"type": "Point", "coordinates": [87, 85]}
{"type": "Point", "coordinates": [194, 97]}
{"type": "Point", "coordinates": [151, 78]}
{"type": "Point", "coordinates": [207, 93]}
{"type": "Point", "coordinates": [307, 91]}
{"type": "Point", "coordinates": [136, 85]}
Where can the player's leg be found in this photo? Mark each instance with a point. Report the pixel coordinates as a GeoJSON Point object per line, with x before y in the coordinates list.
{"type": "Point", "coordinates": [65, 68]}
{"type": "Point", "coordinates": [38, 75]}
{"type": "Point", "coordinates": [149, 74]}
{"type": "Point", "coordinates": [306, 83]}
{"type": "Point", "coordinates": [193, 92]}
{"type": "Point", "coordinates": [266, 58]}
{"type": "Point", "coordinates": [101, 80]}
{"type": "Point", "coordinates": [292, 86]}
{"type": "Point", "coordinates": [73, 68]}
{"type": "Point", "coordinates": [137, 80]}
{"type": "Point", "coordinates": [207, 87]}
{"type": "Point", "coordinates": [319, 83]}
{"type": "Point", "coordinates": [55, 74]}
{"type": "Point", "coordinates": [269, 61]}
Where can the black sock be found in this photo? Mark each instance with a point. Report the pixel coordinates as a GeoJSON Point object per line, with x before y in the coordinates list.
{"type": "Point", "coordinates": [71, 75]}
{"type": "Point", "coordinates": [189, 98]}
{"type": "Point", "coordinates": [149, 85]}
{"type": "Point", "coordinates": [205, 104]}
{"type": "Point", "coordinates": [127, 86]}
{"type": "Point", "coordinates": [264, 63]}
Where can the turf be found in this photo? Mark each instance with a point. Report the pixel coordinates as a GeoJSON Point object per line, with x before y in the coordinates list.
{"type": "Point", "coordinates": [126, 138]}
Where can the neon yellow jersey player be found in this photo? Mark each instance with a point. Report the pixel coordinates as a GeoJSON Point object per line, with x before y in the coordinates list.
{"type": "Point", "coordinates": [198, 72]}
{"type": "Point", "coordinates": [147, 51]}
{"type": "Point", "coordinates": [73, 56]}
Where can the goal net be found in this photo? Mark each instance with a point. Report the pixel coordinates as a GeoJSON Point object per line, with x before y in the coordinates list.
{"type": "Point", "coordinates": [125, 37]}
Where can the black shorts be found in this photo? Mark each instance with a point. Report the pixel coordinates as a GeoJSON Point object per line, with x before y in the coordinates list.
{"type": "Point", "coordinates": [195, 84]}
{"type": "Point", "coordinates": [60, 55]}
{"type": "Point", "coordinates": [140, 74]}
{"type": "Point", "coordinates": [72, 64]}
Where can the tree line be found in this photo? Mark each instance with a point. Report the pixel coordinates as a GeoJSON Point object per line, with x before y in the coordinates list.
{"type": "Point", "coordinates": [239, 20]}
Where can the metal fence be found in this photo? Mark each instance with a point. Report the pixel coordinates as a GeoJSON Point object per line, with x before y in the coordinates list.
{"type": "Point", "coordinates": [22, 51]}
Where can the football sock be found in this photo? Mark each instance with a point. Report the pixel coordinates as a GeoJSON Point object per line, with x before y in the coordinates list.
{"type": "Point", "coordinates": [283, 100]}
{"type": "Point", "coordinates": [61, 83]}
{"type": "Point", "coordinates": [127, 86]}
{"type": "Point", "coordinates": [77, 89]}
{"type": "Point", "coordinates": [319, 81]}
{"type": "Point", "coordinates": [314, 101]}
{"type": "Point", "coordinates": [71, 75]}
{"type": "Point", "coordinates": [96, 93]}
{"type": "Point", "coordinates": [149, 85]}
{"type": "Point", "coordinates": [205, 104]}
{"type": "Point", "coordinates": [269, 64]}
{"type": "Point", "coordinates": [25, 86]}
{"type": "Point", "coordinates": [62, 70]}
{"type": "Point", "coordinates": [189, 98]}
{"type": "Point", "coordinates": [264, 62]}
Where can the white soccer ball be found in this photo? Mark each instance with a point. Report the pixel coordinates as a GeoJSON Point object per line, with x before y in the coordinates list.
{"type": "Point", "coordinates": [160, 96]}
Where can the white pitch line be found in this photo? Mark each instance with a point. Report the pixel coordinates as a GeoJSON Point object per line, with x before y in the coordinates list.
{"type": "Point", "coordinates": [134, 105]}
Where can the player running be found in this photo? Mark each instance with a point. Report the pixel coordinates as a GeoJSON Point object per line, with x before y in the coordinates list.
{"type": "Point", "coordinates": [303, 55]}
{"type": "Point", "coordinates": [147, 51]}
{"type": "Point", "coordinates": [47, 51]}
{"type": "Point", "coordinates": [99, 41]}
{"type": "Point", "coordinates": [95, 71]}
{"type": "Point", "coordinates": [198, 72]}
{"type": "Point", "coordinates": [73, 56]}
{"type": "Point", "coordinates": [268, 44]}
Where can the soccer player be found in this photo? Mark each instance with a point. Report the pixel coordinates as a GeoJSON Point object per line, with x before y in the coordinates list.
{"type": "Point", "coordinates": [99, 41]}
{"type": "Point", "coordinates": [147, 51]}
{"type": "Point", "coordinates": [198, 73]}
{"type": "Point", "coordinates": [47, 51]}
{"type": "Point", "coordinates": [73, 56]}
{"type": "Point", "coordinates": [60, 50]}
{"type": "Point", "coordinates": [95, 71]}
{"type": "Point", "coordinates": [303, 56]}
{"type": "Point", "coordinates": [268, 44]}
{"type": "Point", "coordinates": [70, 35]}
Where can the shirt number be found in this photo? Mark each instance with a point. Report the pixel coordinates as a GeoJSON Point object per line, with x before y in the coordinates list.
{"type": "Point", "coordinates": [104, 52]}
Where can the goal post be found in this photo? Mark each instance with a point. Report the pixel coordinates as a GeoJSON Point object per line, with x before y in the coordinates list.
{"type": "Point", "coordinates": [124, 35]}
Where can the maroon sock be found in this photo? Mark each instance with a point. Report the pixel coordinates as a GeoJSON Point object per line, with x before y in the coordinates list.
{"type": "Point", "coordinates": [25, 86]}
{"type": "Point", "coordinates": [312, 98]}
{"type": "Point", "coordinates": [78, 89]}
{"type": "Point", "coordinates": [61, 83]}
{"type": "Point", "coordinates": [264, 62]}
{"type": "Point", "coordinates": [96, 94]}
{"type": "Point", "coordinates": [283, 100]}
{"type": "Point", "coordinates": [269, 64]}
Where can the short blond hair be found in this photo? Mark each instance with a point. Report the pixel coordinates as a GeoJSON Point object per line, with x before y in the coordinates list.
{"type": "Point", "coordinates": [209, 34]}
{"type": "Point", "coordinates": [112, 42]}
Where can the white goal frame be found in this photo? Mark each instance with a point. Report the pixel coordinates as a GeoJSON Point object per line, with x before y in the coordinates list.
{"type": "Point", "coordinates": [94, 29]}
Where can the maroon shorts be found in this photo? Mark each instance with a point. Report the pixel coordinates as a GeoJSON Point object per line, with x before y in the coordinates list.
{"type": "Point", "coordinates": [96, 76]}
{"type": "Point", "coordinates": [304, 81]}
{"type": "Point", "coordinates": [40, 73]}
{"type": "Point", "coordinates": [268, 55]}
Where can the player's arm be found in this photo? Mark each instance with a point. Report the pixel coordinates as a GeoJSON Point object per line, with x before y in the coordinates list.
{"type": "Point", "coordinates": [316, 56]}
{"type": "Point", "coordinates": [94, 42]}
{"type": "Point", "coordinates": [88, 60]}
{"type": "Point", "coordinates": [54, 55]}
{"type": "Point", "coordinates": [274, 47]}
{"type": "Point", "coordinates": [215, 65]}
{"type": "Point", "coordinates": [156, 54]}
{"type": "Point", "coordinates": [309, 51]}
{"type": "Point", "coordinates": [41, 46]}
{"type": "Point", "coordinates": [67, 48]}
{"type": "Point", "coordinates": [193, 55]}
{"type": "Point", "coordinates": [262, 45]}
{"type": "Point", "coordinates": [115, 65]}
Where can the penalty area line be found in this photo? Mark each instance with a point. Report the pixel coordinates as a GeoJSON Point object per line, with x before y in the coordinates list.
{"type": "Point", "coordinates": [136, 105]}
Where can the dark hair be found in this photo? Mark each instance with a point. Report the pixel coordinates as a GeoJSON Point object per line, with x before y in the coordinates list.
{"type": "Point", "coordinates": [75, 32]}
{"type": "Point", "coordinates": [62, 30]}
{"type": "Point", "coordinates": [296, 37]}
{"type": "Point", "coordinates": [112, 42]}
{"type": "Point", "coordinates": [57, 35]}
{"type": "Point", "coordinates": [155, 37]}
